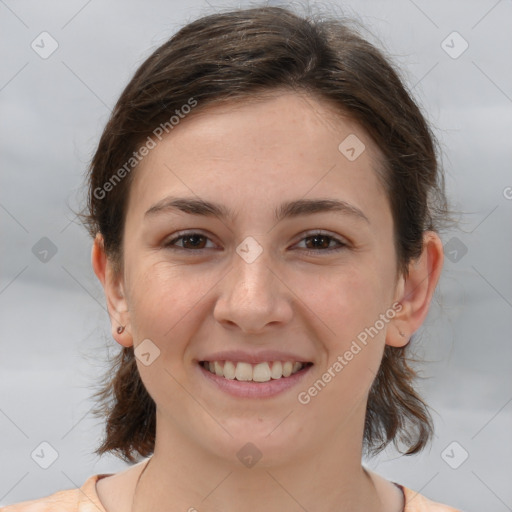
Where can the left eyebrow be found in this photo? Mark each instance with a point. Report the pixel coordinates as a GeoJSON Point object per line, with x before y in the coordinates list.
{"type": "Point", "coordinates": [194, 206]}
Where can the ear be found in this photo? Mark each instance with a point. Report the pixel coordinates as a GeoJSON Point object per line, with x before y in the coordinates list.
{"type": "Point", "coordinates": [415, 291]}
{"type": "Point", "coordinates": [113, 285]}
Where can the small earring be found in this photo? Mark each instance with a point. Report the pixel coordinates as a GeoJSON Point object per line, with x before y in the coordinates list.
{"type": "Point", "coordinates": [120, 329]}
{"type": "Point", "coordinates": [401, 333]}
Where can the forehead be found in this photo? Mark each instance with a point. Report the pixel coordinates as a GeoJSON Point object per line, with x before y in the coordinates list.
{"type": "Point", "coordinates": [259, 153]}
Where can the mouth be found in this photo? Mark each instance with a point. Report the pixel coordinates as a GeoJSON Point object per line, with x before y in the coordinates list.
{"type": "Point", "coordinates": [260, 380]}
{"type": "Point", "coordinates": [260, 372]}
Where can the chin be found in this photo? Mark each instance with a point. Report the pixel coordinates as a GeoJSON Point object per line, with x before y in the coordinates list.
{"type": "Point", "coordinates": [261, 445]}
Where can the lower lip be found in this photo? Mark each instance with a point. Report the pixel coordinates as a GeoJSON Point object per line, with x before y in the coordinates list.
{"type": "Point", "coordinates": [248, 389]}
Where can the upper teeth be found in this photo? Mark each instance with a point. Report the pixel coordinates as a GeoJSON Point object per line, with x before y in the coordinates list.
{"type": "Point", "coordinates": [261, 372]}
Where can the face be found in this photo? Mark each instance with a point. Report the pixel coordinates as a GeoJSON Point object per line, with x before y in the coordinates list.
{"type": "Point", "coordinates": [274, 274]}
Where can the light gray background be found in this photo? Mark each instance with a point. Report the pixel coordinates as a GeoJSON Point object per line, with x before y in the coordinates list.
{"type": "Point", "coordinates": [53, 323]}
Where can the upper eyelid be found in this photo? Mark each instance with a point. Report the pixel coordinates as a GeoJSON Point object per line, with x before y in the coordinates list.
{"type": "Point", "coordinates": [338, 238]}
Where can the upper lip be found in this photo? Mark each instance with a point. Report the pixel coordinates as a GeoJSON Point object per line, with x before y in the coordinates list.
{"type": "Point", "coordinates": [254, 357]}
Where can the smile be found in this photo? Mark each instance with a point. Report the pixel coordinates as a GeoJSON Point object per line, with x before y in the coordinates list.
{"type": "Point", "coordinates": [264, 379]}
{"type": "Point", "coordinates": [261, 372]}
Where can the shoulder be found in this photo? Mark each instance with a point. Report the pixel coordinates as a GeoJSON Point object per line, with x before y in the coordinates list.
{"type": "Point", "coordinates": [62, 501]}
{"type": "Point", "coordinates": [83, 499]}
{"type": "Point", "coordinates": [415, 502]}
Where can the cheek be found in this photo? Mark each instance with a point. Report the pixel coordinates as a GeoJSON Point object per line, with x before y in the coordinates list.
{"type": "Point", "coordinates": [350, 305]}
{"type": "Point", "coordinates": [163, 299]}
{"type": "Point", "coordinates": [164, 304]}
{"type": "Point", "coordinates": [347, 299]}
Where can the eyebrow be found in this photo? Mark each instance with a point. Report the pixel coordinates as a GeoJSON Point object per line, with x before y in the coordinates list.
{"type": "Point", "coordinates": [194, 206]}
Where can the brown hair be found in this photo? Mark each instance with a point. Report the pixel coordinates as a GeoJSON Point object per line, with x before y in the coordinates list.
{"type": "Point", "coordinates": [245, 53]}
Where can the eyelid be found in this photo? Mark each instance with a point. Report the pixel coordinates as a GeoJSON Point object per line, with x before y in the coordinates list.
{"type": "Point", "coordinates": [342, 242]}
{"type": "Point", "coordinates": [324, 232]}
{"type": "Point", "coordinates": [181, 234]}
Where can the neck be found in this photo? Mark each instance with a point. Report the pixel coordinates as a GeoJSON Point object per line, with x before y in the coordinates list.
{"type": "Point", "coordinates": [184, 475]}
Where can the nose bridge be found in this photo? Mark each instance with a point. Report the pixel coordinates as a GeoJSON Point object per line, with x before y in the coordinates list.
{"type": "Point", "coordinates": [251, 281]}
{"type": "Point", "coordinates": [251, 295]}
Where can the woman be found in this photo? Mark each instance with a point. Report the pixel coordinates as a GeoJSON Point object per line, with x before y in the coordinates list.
{"type": "Point", "coordinates": [264, 203]}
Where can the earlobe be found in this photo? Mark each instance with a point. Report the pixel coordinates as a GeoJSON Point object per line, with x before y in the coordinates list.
{"type": "Point", "coordinates": [415, 291]}
{"type": "Point", "coordinates": [398, 339]}
{"type": "Point", "coordinates": [113, 286]}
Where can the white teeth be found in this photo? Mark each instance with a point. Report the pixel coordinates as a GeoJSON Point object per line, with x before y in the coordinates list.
{"type": "Point", "coordinates": [229, 370]}
{"type": "Point", "coordinates": [243, 371]}
{"type": "Point", "coordinates": [218, 368]}
{"type": "Point", "coordinates": [287, 368]}
{"type": "Point", "coordinates": [261, 372]}
{"type": "Point", "coordinates": [277, 370]}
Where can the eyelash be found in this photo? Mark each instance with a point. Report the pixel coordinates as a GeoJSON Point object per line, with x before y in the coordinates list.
{"type": "Point", "coordinates": [342, 245]}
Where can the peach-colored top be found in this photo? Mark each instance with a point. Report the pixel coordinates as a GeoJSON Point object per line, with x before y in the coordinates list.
{"type": "Point", "coordinates": [85, 499]}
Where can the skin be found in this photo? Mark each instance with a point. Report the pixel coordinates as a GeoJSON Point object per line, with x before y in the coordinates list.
{"type": "Point", "coordinates": [193, 302]}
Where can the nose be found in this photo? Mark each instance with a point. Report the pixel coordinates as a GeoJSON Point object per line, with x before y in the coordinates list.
{"type": "Point", "coordinates": [253, 296]}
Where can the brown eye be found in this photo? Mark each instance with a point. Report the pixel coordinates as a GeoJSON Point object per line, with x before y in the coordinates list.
{"type": "Point", "coordinates": [321, 242]}
{"type": "Point", "coordinates": [190, 241]}
{"type": "Point", "coordinates": [315, 243]}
